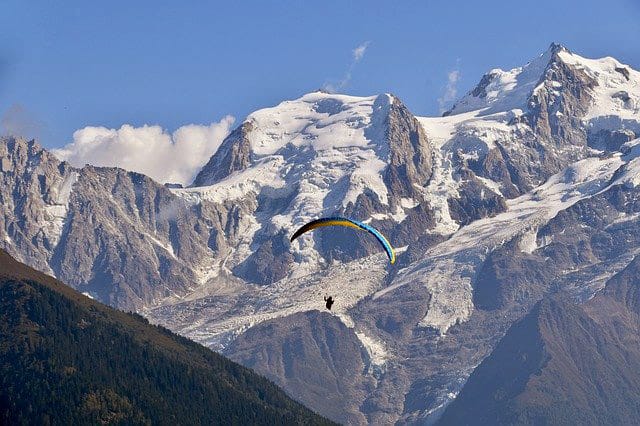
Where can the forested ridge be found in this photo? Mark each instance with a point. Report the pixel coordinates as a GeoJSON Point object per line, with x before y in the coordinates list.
{"type": "Point", "coordinates": [66, 359]}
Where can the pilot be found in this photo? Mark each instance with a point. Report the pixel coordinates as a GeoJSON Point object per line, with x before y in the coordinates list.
{"type": "Point", "coordinates": [329, 301]}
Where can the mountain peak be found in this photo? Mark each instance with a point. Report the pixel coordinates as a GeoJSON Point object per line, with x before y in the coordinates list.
{"type": "Point", "coordinates": [14, 143]}
{"type": "Point", "coordinates": [557, 47]}
{"type": "Point", "coordinates": [317, 120]}
{"type": "Point", "coordinates": [501, 91]}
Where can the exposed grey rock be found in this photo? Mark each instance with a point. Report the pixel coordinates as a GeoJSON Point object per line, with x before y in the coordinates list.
{"type": "Point", "coordinates": [173, 185]}
{"type": "Point", "coordinates": [623, 288]}
{"type": "Point", "coordinates": [562, 364]}
{"type": "Point", "coordinates": [610, 140]}
{"type": "Point", "coordinates": [315, 357]}
{"type": "Point", "coordinates": [411, 229]}
{"type": "Point", "coordinates": [409, 154]}
{"type": "Point", "coordinates": [493, 166]}
{"type": "Point", "coordinates": [557, 136]}
{"type": "Point", "coordinates": [509, 277]}
{"type": "Point", "coordinates": [555, 115]}
{"type": "Point", "coordinates": [476, 200]}
{"type": "Point", "coordinates": [583, 238]}
{"type": "Point", "coordinates": [32, 205]}
{"type": "Point", "coordinates": [132, 210]}
{"type": "Point", "coordinates": [233, 155]}
{"type": "Point", "coordinates": [549, 134]}
{"type": "Point", "coordinates": [269, 263]}
{"type": "Point", "coordinates": [624, 71]}
{"type": "Point", "coordinates": [117, 235]}
{"type": "Point", "coordinates": [480, 91]}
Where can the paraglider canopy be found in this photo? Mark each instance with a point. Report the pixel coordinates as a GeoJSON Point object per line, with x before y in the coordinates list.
{"type": "Point", "coordinates": [341, 221]}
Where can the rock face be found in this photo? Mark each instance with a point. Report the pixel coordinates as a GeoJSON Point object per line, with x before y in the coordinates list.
{"type": "Point", "coordinates": [143, 220]}
{"type": "Point", "coordinates": [410, 153]}
{"type": "Point", "coordinates": [285, 350]}
{"type": "Point", "coordinates": [233, 155]}
{"type": "Point", "coordinates": [528, 187]}
{"type": "Point", "coordinates": [116, 235]}
{"type": "Point", "coordinates": [544, 108]}
{"type": "Point", "coordinates": [270, 262]}
{"type": "Point", "coordinates": [35, 194]}
{"type": "Point", "coordinates": [562, 364]}
{"type": "Point", "coordinates": [475, 200]}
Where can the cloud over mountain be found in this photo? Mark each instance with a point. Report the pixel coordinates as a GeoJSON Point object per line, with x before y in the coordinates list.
{"type": "Point", "coordinates": [151, 150]}
{"type": "Point", "coordinates": [451, 91]}
{"type": "Point", "coordinates": [357, 55]}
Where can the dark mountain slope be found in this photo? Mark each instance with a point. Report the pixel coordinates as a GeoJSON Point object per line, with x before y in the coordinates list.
{"type": "Point", "coordinates": [66, 359]}
{"type": "Point", "coordinates": [563, 364]}
{"type": "Point", "coordinates": [285, 352]}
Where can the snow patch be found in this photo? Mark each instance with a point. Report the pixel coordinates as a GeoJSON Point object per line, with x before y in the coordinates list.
{"type": "Point", "coordinates": [166, 246]}
{"type": "Point", "coordinates": [528, 242]}
{"type": "Point", "coordinates": [55, 211]}
{"type": "Point", "coordinates": [376, 350]}
{"type": "Point", "coordinates": [325, 135]}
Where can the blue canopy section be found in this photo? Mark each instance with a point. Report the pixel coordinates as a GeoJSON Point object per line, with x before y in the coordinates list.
{"type": "Point", "coordinates": [385, 243]}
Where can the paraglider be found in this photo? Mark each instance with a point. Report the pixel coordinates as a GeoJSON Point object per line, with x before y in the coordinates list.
{"type": "Point", "coordinates": [341, 221]}
{"type": "Point", "coordinates": [329, 301]}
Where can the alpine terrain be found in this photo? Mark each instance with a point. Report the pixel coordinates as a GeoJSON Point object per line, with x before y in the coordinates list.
{"type": "Point", "coordinates": [508, 214]}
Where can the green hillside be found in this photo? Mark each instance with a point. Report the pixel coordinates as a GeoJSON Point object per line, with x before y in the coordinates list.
{"type": "Point", "coordinates": [66, 359]}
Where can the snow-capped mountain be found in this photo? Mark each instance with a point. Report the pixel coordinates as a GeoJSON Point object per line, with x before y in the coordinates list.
{"type": "Point", "coordinates": [319, 155]}
{"type": "Point", "coordinates": [526, 186]}
{"type": "Point", "coordinates": [534, 144]}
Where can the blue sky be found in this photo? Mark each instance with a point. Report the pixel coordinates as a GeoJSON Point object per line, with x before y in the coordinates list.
{"type": "Point", "coordinates": [77, 64]}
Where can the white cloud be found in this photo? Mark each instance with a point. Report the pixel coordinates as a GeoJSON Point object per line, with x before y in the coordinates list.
{"type": "Point", "coordinates": [450, 91]}
{"type": "Point", "coordinates": [357, 55]}
{"type": "Point", "coordinates": [149, 150]}
{"type": "Point", "coordinates": [359, 51]}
